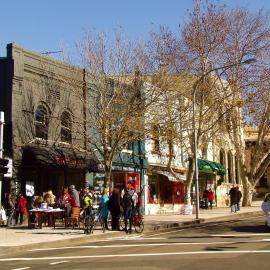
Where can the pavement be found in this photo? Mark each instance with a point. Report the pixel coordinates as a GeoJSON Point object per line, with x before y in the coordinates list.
{"type": "Point", "coordinates": [17, 237]}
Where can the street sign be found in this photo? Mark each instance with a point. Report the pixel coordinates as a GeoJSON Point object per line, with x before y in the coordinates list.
{"type": "Point", "coordinates": [9, 167]}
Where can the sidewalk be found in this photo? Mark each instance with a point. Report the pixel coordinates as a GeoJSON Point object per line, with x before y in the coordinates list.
{"type": "Point", "coordinates": [21, 236]}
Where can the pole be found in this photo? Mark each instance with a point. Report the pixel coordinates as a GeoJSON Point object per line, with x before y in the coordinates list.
{"type": "Point", "coordinates": [196, 177]}
{"type": "Point", "coordinates": [2, 121]}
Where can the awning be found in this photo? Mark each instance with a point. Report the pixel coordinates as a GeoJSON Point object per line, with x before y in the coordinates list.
{"type": "Point", "coordinates": [59, 157]}
{"type": "Point", "coordinates": [170, 176]}
{"type": "Point", "coordinates": [211, 166]}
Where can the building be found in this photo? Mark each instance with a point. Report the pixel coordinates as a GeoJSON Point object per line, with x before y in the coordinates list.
{"type": "Point", "coordinates": [43, 100]}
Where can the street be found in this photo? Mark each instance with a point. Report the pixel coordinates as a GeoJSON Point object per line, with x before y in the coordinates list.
{"type": "Point", "coordinates": [240, 243]}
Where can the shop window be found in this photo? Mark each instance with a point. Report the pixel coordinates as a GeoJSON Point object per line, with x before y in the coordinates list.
{"type": "Point", "coordinates": [41, 122]}
{"type": "Point", "coordinates": [263, 182]}
{"type": "Point", "coordinates": [66, 125]}
{"type": "Point", "coordinates": [152, 192]}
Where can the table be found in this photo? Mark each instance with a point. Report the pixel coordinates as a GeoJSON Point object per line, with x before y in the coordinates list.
{"type": "Point", "coordinates": [41, 212]}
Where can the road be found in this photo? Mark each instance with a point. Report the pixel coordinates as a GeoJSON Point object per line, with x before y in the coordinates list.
{"type": "Point", "coordinates": [235, 244]}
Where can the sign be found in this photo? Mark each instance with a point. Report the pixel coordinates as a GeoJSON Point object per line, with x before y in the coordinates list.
{"type": "Point", "coordinates": [29, 189]}
{"type": "Point", "coordinates": [98, 183]}
{"type": "Point", "coordinates": [9, 166]}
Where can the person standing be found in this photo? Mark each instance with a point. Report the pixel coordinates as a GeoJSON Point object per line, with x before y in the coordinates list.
{"type": "Point", "coordinates": [9, 206]}
{"type": "Point", "coordinates": [128, 207]}
{"type": "Point", "coordinates": [104, 207]}
{"type": "Point", "coordinates": [115, 207]}
{"type": "Point", "coordinates": [205, 198]}
{"type": "Point", "coordinates": [238, 198]}
{"type": "Point", "coordinates": [211, 197]}
{"type": "Point", "coordinates": [233, 200]}
{"type": "Point", "coordinates": [21, 210]}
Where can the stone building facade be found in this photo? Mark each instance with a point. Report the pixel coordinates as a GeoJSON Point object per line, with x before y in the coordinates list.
{"type": "Point", "coordinates": [44, 104]}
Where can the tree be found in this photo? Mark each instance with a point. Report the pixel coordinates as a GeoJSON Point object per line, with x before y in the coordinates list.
{"type": "Point", "coordinates": [116, 95]}
{"type": "Point", "coordinates": [214, 49]}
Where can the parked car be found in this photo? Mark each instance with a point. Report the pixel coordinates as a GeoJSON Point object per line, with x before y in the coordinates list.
{"type": "Point", "coordinates": [266, 209]}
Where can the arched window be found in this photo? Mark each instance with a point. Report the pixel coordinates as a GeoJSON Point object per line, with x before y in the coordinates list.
{"type": "Point", "coordinates": [41, 122]}
{"type": "Point", "coordinates": [222, 161]}
{"type": "Point", "coordinates": [230, 167]}
{"type": "Point", "coordinates": [236, 170]}
{"type": "Point", "coordinates": [66, 126]}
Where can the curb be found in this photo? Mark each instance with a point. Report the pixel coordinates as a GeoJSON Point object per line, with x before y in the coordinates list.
{"type": "Point", "coordinates": [148, 228]}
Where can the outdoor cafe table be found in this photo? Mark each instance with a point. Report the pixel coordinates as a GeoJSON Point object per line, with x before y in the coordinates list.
{"type": "Point", "coordinates": [42, 212]}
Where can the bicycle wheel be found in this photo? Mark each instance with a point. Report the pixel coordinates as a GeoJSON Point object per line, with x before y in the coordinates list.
{"type": "Point", "coordinates": [88, 225]}
{"type": "Point", "coordinates": [122, 222]}
{"type": "Point", "coordinates": [139, 226]}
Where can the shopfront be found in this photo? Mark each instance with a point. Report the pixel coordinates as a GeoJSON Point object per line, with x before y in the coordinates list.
{"type": "Point", "coordinates": [165, 192]}
{"type": "Point", "coordinates": [46, 169]}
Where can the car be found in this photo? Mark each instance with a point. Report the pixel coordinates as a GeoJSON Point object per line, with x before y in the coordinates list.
{"type": "Point", "coordinates": [266, 209]}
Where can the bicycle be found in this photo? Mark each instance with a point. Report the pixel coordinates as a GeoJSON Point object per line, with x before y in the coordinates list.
{"type": "Point", "coordinates": [137, 221]}
{"type": "Point", "coordinates": [91, 218]}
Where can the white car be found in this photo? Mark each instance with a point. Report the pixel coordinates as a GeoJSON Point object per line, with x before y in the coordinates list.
{"type": "Point", "coordinates": [266, 209]}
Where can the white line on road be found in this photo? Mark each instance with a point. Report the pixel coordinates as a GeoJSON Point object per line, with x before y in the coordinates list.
{"type": "Point", "coordinates": [152, 245]}
{"type": "Point", "coordinates": [138, 255]}
{"type": "Point", "coordinates": [54, 263]}
{"type": "Point", "coordinates": [21, 268]}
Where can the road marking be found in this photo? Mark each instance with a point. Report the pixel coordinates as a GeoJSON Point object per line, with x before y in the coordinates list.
{"type": "Point", "coordinates": [152, 245]}
{"type": "Point", "coordinates": [224, 252]}
{"type": "Point", "coordinates": [54, 263]}
{"type": "Point", "coordinates": [239, 235]}
{"type": "Point", "coordinates": [21, 268]}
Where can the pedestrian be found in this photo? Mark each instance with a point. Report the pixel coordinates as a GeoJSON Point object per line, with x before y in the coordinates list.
{"type": "Point", "coordinates": [128, 207]}
{"type": "Point", "coordinates": [211, 197]}
{"type": "Point", "coordinates": [104, 211]}
{"type": "Point", "coordinates": [74, 196]}
{"type": "Point", "coordinates": [21, 210]}
{"type": "Point", "coordinates": [205, 198]}
{"type": "Point", "coordinates": [238, 198]}
{"type": "Point", "coordinates": [64, 202]}
{"type": "Point", "coordinates": [9, 206]}
{"type": "Point", "coordinates": [116, 208]}
{"type": "Point", "coordinates": [233, 199]}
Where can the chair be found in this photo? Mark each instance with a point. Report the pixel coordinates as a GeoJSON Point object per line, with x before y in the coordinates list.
{"type": "Point", "coordinates": [74, 218]}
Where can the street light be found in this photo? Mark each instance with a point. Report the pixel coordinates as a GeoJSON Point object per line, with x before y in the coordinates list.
{"type": "Point", "coordinates": [195, 150]}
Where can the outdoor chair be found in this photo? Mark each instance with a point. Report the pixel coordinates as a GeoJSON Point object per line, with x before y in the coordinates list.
{"type": "Point", "coordinates": [74, 218]}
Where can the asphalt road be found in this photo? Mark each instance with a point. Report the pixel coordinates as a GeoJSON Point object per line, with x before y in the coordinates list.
{"type": "Point", "coordinates": [235, 244]}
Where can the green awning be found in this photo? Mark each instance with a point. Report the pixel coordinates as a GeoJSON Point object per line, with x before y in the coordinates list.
{"type": "Point", "coordinates": [210, 166]}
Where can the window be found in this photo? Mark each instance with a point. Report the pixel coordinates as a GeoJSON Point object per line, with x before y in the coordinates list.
{"type": "Point", "coordinates": [41, 122]}
{"type": "Point", "coordinates": [263, 182]}
{"type": "Point", "coordinates": [66, 125]}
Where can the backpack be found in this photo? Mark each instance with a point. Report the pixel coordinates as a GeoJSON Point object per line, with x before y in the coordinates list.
{"type": "Point", "coordinates": [127, 201]}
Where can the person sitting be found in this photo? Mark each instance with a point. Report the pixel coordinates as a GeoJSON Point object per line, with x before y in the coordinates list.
{"type": "Point", "coordinates": [50, 198]}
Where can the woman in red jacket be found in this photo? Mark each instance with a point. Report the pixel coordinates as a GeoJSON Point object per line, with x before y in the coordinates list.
{"type": "Point", "coordinates": [211, 197]}
{"type": "Point", "coordinates": [21, 210]}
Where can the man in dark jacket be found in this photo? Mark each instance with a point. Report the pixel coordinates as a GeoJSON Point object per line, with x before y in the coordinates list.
{"type": "Point", "coordinates": [233, 199]}
{"type": "Point", "coordinates": [115, 207]}
{"type": "Point", "coordinates": [128, 208]}
{"type": "Point", "coordinates": [238, 198]}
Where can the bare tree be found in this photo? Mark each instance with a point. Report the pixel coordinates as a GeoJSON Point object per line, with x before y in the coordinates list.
{"type": "Point", "coordinates": [116, 94]}
{"type": "Point", "coordinates": [215, 48]}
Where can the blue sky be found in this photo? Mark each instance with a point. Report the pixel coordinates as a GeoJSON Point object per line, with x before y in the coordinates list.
{"type": "Point", "coordinates": [48, 25]}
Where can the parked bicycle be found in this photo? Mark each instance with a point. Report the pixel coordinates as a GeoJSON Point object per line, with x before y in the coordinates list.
{"type": "Point", "coordinates": [92, 217]}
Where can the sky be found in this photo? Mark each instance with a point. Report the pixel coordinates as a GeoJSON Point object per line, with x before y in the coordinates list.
{"type": "Point", "coordinates": [50, 25]}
